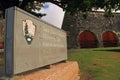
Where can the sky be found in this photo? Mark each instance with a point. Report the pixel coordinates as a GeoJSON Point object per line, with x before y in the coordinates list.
{"type": "Point", "coordinates": [102, 10]}
{"type": "Point", "coordinates": [54, 14]}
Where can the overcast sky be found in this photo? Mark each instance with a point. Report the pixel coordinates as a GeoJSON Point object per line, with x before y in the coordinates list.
{"type": "Point", "coordinates": [54, 14]}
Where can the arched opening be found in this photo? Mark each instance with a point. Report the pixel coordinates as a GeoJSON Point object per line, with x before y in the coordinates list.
{"type": "Point", "coordinates": [88, 40]}
{"type": "Point", "coordinates": [109, 39]}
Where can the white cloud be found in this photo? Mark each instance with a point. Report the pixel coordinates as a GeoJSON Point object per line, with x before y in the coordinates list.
{"type": "Point", "coordinates": [54, 14]}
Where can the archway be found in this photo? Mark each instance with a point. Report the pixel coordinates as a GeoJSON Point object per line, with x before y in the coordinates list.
{"type": "Point", "coordinates": [88, 40]}
{"type": "Point", "coordinates": [109, 39]}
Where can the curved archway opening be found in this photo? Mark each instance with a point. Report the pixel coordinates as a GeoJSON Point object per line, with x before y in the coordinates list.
{"type": "Point", "coordinates": [88, 40]}
{"type": "Point", "coordinates": [109, 39]}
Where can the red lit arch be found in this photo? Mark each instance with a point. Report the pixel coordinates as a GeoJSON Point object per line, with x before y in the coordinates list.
{"type": "Point", "coordinates": [87, 40]}
{"type": "Point", "coordinates": [109, 39]}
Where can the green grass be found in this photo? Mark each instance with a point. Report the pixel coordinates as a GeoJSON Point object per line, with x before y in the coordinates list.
{"type": "Point", "coordinates": [97, 63]}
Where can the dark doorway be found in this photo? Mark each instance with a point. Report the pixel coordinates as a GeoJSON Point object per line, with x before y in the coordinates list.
{"type": "Point", "coordinates": [87, 40]}
{"type": "Point", "coordinates": [109, 39]}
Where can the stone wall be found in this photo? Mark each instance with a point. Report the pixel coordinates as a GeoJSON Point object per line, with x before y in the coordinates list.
{"type": "Point", "coordinates": [95, 23]}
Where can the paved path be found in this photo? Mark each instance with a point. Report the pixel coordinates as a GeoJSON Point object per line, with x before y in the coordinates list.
{"type": "Point", "coordinates": [1, 71]}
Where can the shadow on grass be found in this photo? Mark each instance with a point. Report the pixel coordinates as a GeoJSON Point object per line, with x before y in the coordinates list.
{"type": "Point", "coordinates": [110, 50]}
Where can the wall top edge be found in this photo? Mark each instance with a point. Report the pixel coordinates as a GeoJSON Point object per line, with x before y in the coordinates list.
{"type": "Point", "coordinates": [25, 12]}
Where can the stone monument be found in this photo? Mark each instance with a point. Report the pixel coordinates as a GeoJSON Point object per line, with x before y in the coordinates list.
{"type": "Point", "coordinates": [31, 43]}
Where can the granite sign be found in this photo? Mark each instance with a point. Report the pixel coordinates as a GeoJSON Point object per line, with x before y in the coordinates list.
{"type": "Point", "coordinates": [31, 43]}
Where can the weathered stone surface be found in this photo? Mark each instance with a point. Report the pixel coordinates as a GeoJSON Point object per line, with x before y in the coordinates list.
{"type": "Point", "coordinates": [60, 71]}
{"type": "Point", "coordinates": [48, 44]}
{"type": "Point", "coordinates": [95, 23]}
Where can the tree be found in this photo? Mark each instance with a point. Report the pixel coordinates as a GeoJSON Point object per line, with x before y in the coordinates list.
{"type": "Point", "coordinates": [4, 4]}
{"type": "Point", "coordinates": [72, 6]}
{"type": "Point", "coordinates": [85, 6]}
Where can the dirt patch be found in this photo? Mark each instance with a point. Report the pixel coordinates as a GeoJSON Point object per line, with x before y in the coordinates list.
{"type": "Point", "coordinates": [115, 57]}
{"type": "Point", "coordinates": [99, 59]}
{"type": "Point", "coordinates": [107, 76]}
{"type": "Point", "coordinates": [1, 59]}
{"type": "Point", "coordinates": [101, 62]}
{"type": "Point", "coordinates": [95, 65]}
{"type": "Point", "coordinates": [107, 65]}
{"type": "Point", "coordinates": [87, 76]}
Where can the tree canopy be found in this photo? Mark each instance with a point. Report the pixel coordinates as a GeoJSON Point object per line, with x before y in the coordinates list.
{"type": "Point", "coordinates": [72, 6]}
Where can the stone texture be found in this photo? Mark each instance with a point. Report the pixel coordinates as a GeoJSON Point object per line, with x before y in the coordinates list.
{"type": "Point", "coordinates": [60, 71]}
{"type": "Point", "coordinates": [95, 23]}
{"type": "Point", "coordinates": [48, 46]}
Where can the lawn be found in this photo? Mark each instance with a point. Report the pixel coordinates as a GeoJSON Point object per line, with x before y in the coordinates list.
{"type": "Point", "coordinates": [94, 64]}
{"type": "Point", "coordinates": [97, 63]}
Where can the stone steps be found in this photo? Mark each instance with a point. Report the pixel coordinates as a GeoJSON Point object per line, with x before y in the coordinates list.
{"type": "Point", "coordinates": [60, 71]}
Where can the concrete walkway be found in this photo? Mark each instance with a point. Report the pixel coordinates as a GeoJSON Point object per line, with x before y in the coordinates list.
{"type": "Point", "coordinates": [1, 71]}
